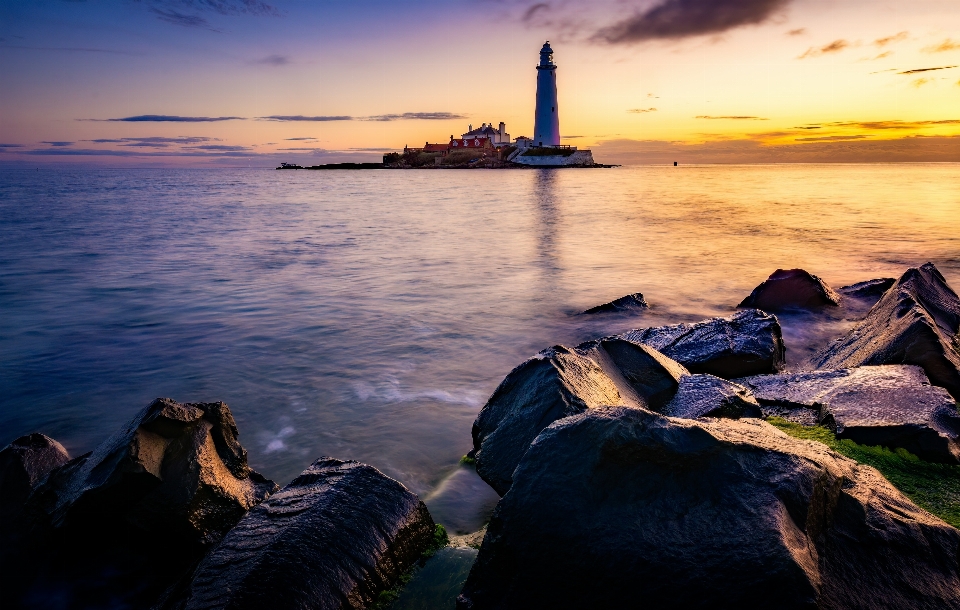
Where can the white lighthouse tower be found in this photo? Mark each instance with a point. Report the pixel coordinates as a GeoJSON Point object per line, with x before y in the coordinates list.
{"type": "Point", "coordinates": [546, 130]}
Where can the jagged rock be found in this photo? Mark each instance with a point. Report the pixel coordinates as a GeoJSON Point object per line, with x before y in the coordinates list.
{"type": "Point", "coordinates": [23, 464]}
{"type": "Point", "coordinates": [333, 538]}
{"type": "Point", "coordinates": [560, 382]}
{"type": "Point", "coordinates": [915, 322]}
{"type": "Point", "coordinates": [892, 406]}
{"type": "Point", "coordinates": [747, 343]}
{"type": "Point", "coordinates": [791, 289]}
{"type": "Point", "coordinates": [621, 508]}
{"type": "Point", "coordinates": [709, 396]}
{"type": "Point", "coordinates": [869, 290]}
{"type": "Point", "coordinates": [176, 470]}
{"type": "Point", "coordinates": [626, 303]}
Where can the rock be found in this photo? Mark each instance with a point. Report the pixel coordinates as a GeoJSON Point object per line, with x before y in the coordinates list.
{"type": "Point", "coordinates": [870, 290]}
{"type": "Point", "coordinates": [623, 508]}
{"type": "Point", "coordinates": [627, 303]}
{"type": "Point", "coordinates": [560, 382]}
{"type": "Point", "coordinates": [747, 343]}
{"type": "Point", "coordinates": [892, 406]}
{"type": "Point", "coordinates": [915, 322]}
{"type": "Point", "coordinates": [335, 537]}
{"type": "Point", "coordinates": [23, 464]}
{"type": "Point", "coordinates": [709, 396]}
{"type": "Point", "coordinates": [176, 470]}
{"type": "Point", "coordinates": [791, 289]}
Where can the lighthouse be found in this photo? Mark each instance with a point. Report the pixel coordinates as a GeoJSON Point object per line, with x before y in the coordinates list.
{"type": "Point", "coordinates": [546, 130]}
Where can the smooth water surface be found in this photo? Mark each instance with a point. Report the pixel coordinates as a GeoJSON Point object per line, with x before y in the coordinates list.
{"type": "Point", "coordinates": [369, 314]}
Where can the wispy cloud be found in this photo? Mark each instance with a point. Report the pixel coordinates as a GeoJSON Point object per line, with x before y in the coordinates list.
{"type": "Point", "coordinates": [416, 116]}
{"type": "Point", "coordinates": [833, 138]}
{"type": "Point", "coordinates": [273, 60]}
{"type": "Point", "coordinates": [219, 148]}
{"type": "Point", "coordinates": [300, 117]}
{"type": "Point", "coordinates": [918, 70]}
{"type": "Point", "coordinates": [167, 118]}
{"type": "Point", "coordinates": [797, 32]}
{"type": "Point", "coordinates": [641, 110]}
{"type": "Point", "coordinates": [295, 139]}
{"type": "Point", "coordinates": [4, 146]}
{"type": "Point", "coordinates": [683, 18]}
{"type": "Point", "coordinates": [152, 141]}
{"type": "Point", "coordinates": [71, 49]}
{"type": "Point", "coordinates": [943, 47]}
{"type": "Point", "coordinates": [917, 83]}
{"type": "Point", "coordinates": [182, 19]}
{"type": "Point", "coordinates": [732, 118]}
{"type": "Point", "coordinates": [187, 13]}
{"type": "Point", "coordinates": [834, 47]}
{"type": "Point", "coordinates": [58, 143]}
{"type": "Point", "coordinates": [882, 42]}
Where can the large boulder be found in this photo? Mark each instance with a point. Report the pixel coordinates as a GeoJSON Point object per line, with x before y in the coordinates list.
{"type": "Point", "coordinates": [892, 406]}
{"type": "Point", "coordinates": [560, 382]}
{"type": "Point", "coordinates": [175, 470]}
{"type": "Point", "coordinates": [631, 302]}
{"type": "Point", "coordinates": [870, 290]}
{"type": "Point", "coordinates": [747, 343]}
{"type": "Point", "coordinates": [23, 464]}
{"type": "Point", "coordinates": [791, 289]}
{"type": "Point", "coordinates": [709, 396]}
{"type": "Point", "coordinates": [624, 508]}
{"type": "Point", "coordinates": [335, 537]}
{"type": "Point", "coordinates": [916, 322]}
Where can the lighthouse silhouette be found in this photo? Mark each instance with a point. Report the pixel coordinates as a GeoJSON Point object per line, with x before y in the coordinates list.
{"type": "Point", "coordinates": [546, 126]}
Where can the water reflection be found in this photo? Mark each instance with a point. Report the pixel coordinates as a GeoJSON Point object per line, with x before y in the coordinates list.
{"type": "Point", "coordinates": [546, 204]}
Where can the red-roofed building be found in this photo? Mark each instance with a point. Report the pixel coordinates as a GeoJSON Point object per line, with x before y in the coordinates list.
{"type": "Point", "coordinates": [470, 144]}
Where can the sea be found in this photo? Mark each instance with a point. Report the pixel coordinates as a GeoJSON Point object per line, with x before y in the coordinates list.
{"type": "Point", "coordinates": [368, 315]}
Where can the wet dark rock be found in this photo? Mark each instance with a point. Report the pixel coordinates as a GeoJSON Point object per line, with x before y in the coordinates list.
{"type": "Point", "coordinates": [709, 396]}
{"type": "Point", "coordinates": [23, 464]}
{"type": "Point", "coordinates": [335, 537]}
{"type": "Point", "coordinates": [915, 322]}
{"type": "Point", "coordinates": [175, 469]}
{"type": "Point", "coordinates": [560, 382]}
{"type": "Point", "coordinates": [627, 303]}
{"type": "Point", "coordinates": [747, 343]}
{"type": "Point", "coordinates": [791, 289]}
{"type": "Point", "coordinates": [892, 406]}
{"type": "Point", "coordinates": [869, 290]}
{"type": "Point", "coordinates": [621, 508]}
{"type": "Point", "coordinates": [116, 527]}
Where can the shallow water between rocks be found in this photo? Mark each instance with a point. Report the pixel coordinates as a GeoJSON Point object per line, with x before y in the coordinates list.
{"type": "Point", "coordinates": [369, 314]}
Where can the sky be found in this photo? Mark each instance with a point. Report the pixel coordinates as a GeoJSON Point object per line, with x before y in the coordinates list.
{"type": "Point", "coordinates": [251, 83]}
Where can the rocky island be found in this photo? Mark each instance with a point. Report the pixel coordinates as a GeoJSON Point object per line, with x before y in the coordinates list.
{"type": "Point", "coordinates": [663, 467]}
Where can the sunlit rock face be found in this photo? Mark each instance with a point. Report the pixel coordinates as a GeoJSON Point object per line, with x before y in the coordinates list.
{"type": "Point", "coordinates": [624, 508]}
{"type": "Point", "coordinates": [333, 538]}
{"type": "Point", "coordinates": [176, 469]}
{"type": "Point", "coordinates": [915, 322]}
{"type": "Point", "coordinates": [791, 289]}
{"type": "Point", "coordinates": [891, 405]}
{"type": "Point", "coordinates": [747, 343]}
{"type": "Point", "coordinates": [560, 382]}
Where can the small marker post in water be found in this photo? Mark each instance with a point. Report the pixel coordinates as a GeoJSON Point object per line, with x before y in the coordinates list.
{"type": "Point", "coordinates": [674, 163]}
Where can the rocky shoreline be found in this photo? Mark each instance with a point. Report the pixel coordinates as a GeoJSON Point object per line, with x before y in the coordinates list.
{"type": "Point", "coordinates": [633, 470]}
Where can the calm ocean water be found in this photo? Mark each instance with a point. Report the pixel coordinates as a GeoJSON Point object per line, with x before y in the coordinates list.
{"type": "Point", "coordinates": [368, 315]}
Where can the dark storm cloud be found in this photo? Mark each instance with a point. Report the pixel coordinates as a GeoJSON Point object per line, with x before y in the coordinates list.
{"type": "Point", "coordinates": [58, 143]}
{"type": "Point", "coordinates": [167, 118]}
{"type": "Point", "coordinates": [733, 118]}
{"type": "Point", "coordinates": [300, 117]}
{"type": "Point", "coordinates": [273, 60]}
{"type": "Point", "coordinates": [918, 70]}
{"type": "Point", "coordinates": [415, 116]}
{"type": "Point", "coordinates": [683, 18]}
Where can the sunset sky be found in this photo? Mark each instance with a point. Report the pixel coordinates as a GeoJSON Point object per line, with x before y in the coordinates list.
{"type": "Point", "coordinates": [243, 82]}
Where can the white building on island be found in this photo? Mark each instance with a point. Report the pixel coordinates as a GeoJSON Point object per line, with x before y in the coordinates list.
{"type": "Point", "coordinates": [498, 137]}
